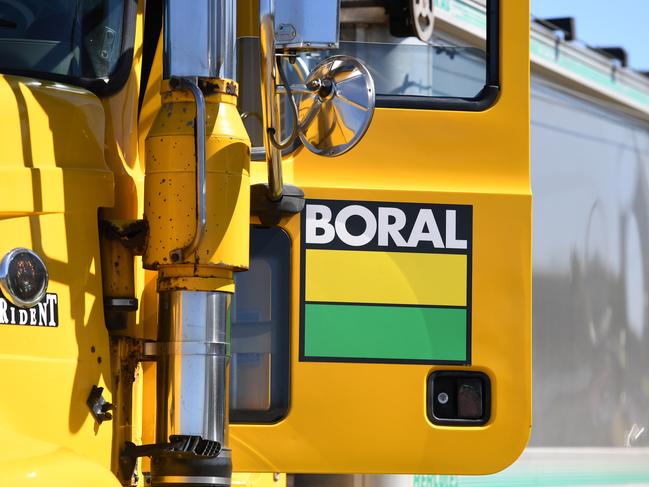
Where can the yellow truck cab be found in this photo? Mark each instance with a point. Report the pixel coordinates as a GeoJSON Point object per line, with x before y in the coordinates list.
{"type": "Point", "coordinates": [262, 236]}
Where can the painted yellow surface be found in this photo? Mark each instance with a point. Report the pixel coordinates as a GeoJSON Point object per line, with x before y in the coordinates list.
{"type": "Point", "coordinates": [371, 418]}
{"type": "Point", "coordinates": [31, 462]}
{"type": "Point", "coordinates": [61, 152]}
{"type": "Point", "coordinates": [170, 187]}
{"type": "Point", "coordinates": [386, 277]}
{"type": "Point", "coordinates": [54, 179]}
{"type": "Point", "coordinates": [258, 480]}
{"type": "Point", "coordinates": [51, 142]}
{"type": "Point", "coordinates": [122, 157]}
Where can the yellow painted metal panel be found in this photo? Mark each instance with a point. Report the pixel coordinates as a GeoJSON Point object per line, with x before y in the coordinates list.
{"type": "Point", "coordinates": [62, 363]}
{"type": "Point", "coordinates": [34, 463]}
{"type": "Point", "coordinates": [347, 417]}
{"type": "Point", "coordinates": [48, 124]}
{"type": "Point", "coordinates": [258, 479]}
{"type": "Point", "coordinates": [385, 277]}
{"type": "Point", "coordinates": [170, 195]}
{"type": "Point", "coordinates": [51, 157]}
{"type": "Point", "coordinates": [54, 178]}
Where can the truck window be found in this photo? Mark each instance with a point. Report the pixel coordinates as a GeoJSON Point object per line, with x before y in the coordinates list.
{"type": "Point", "coordinates": [411, 73]}
{"type": "Point", "coordinates": [77, 41]}
{"type": "Point", "coordinates": [410, 67]}
{"type": "Point", "coordinates": [447, 72]}
{"type": "Point", "coordinates": [259, 381]}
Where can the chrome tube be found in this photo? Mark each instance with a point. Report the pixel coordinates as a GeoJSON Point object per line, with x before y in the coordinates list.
{"type": "Point", "coordinates": [199, 39]}
{"type": "Point", "coordinates": [192, 389]}
{"type": "Point", "coordinates": [226, 58]}
{"type": "Point", "coordinates": [183, 253]}
{"type": "Point", "coordinates": [193, 365]}
{"type": "Point", "coordinates": [269, 106]}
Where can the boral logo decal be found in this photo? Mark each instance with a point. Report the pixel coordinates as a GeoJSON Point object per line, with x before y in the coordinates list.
{"type": "Point", "coordinates": [385, 226]}
{"type": "Point", "coordinates": [386, 282]}
{"type": "Point", "coordinates": [45, 313]}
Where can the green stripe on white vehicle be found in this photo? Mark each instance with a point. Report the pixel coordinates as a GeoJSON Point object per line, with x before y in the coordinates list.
{"type": "Point", "coordinates": [574, 479]}
{"type": "Point", "coordinates": [464, 12]}
{"type": "Point", "coordinates": [578, 63]}
{"type": "Point", "coordinates": [557, 467]}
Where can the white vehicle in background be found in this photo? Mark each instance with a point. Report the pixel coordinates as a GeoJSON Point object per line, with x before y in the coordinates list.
{"type": "Point", "coordinates": [590, 180]}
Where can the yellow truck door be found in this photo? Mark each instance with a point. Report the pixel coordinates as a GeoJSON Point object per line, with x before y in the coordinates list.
{"type": "Point", "coordinates": [410, 269]}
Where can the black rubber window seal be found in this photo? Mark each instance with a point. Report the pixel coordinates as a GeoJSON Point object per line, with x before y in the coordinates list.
{"type": "Point", "coordinates": [152, 32]}
{"type": "Point", "coordinates": [483, 100]}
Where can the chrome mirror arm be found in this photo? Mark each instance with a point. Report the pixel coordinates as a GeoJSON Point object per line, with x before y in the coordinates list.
{"type": "Point", "coordinates": [269, 105]}
{"type": "Point", "coordinates": [300, 89]}
{"type": "Point", "coordinates": [311, 115]}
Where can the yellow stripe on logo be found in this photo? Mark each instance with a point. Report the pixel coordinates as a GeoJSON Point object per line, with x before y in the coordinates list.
{"type": "Point", "coordinates": [351, 276]}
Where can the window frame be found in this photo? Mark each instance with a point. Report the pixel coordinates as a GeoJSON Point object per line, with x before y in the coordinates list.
{"type": "Point", "coordinates": [281, 410]}
{"type": "Point", "coordinates": [483, 100]}
{"type": "Point", "coordinates": [98, 86]}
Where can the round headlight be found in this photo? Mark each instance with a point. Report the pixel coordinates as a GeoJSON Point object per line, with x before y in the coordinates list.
{"type": "Point", "coordinates": [23, 277]}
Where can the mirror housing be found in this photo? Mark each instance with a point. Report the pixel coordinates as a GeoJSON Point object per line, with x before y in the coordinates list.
{"type": "Point", "coordinates": [295, 29]}
{"type": "Point", "coordinates": [284, 27]}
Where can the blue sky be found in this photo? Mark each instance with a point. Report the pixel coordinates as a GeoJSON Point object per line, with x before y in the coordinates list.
{"type": "Point", "coordinates": [623, 23]}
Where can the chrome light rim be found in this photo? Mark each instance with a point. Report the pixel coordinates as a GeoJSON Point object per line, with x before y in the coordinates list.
{"type": "Point", "coordinates": [5, 283]}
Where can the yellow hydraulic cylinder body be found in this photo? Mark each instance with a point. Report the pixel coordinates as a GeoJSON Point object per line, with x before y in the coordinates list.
{"type": "Point", "coordinates": [195, 275]}
{"type": "Point", "coordinates": [170, 190]}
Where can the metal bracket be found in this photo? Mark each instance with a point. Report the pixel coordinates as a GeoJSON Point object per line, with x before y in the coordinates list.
{"type": "Point", "coordinates": [131, 351]}
{"type": "Point", "coordinates": [270, 110]}
{"type": "Point", "coordinates": [178, 445]}
{"type": "Point", "coordinates": [131, 452]}
{"type": "Point", "coordinates": [121, 304]}
{"type": "Point", "coordinates": [149, 351]}
{"type": "Point", "coordinates": [99, 407]}
{"type": "Point", "coordinates": [130, 233]}
{"type": "Point", "coordinates": [271, 212]}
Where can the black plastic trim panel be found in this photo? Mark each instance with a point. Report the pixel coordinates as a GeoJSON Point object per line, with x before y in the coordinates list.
{"type": "Point", "coordinates": [487, 97]}
{"type": "Point", "coordinates": [152, 31]}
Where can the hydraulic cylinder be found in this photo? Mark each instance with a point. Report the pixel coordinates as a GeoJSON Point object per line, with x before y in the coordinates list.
{"type": "Point", "coordinates": [197, 208]}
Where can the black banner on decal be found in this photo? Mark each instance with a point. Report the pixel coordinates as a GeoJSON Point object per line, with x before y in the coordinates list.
{"type": "Point", "coordinates": [388, 227]}
{"type": "Point", "coordinates": [45, 313]}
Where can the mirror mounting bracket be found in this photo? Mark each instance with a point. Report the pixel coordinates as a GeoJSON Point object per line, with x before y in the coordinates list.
{"type": "Point", "coordinates": [271, 212]}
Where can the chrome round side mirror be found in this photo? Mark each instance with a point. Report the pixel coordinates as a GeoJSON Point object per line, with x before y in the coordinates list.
{"type": "Point", "coordinates": [337, 107]}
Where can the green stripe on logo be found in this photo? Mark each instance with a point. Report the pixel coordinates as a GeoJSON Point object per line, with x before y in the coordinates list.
{"type": "Point", "coordinates": [385, 332]}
